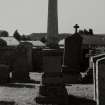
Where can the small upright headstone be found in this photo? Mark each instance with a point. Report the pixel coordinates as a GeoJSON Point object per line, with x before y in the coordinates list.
{"type": "Point", "coordinates": [22, 62]}
{"type": "Point", "coordinates": [99, 78]}
{"type": "Point", "coordinates": [72, 58]}
{"type": "Point", "coordinates": [100, 81]}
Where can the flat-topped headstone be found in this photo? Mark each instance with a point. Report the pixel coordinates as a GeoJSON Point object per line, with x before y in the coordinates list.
{"type": "Point", "coordinates": [22, 62]}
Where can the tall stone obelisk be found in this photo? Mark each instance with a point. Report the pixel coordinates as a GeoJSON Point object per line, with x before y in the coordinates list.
{"type": "Point", "coordinates": [52, 28]}
{"type": "Point", "coordinates": [52, 89]}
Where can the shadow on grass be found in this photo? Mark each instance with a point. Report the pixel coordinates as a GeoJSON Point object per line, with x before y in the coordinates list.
{"type": "Point", "coordinates": [7, 103]}
{"type": "Point", "coordinates": [24, 81]}
{"type": "Point", "coordinates": [73, 100]}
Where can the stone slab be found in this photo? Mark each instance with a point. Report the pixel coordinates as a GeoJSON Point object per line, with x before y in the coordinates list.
{"type": "Point", "coordinates": [100, 81]}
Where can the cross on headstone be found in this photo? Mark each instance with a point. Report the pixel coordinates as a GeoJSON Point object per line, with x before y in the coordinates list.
{"type": "Point", "coordinates": [76, 27]}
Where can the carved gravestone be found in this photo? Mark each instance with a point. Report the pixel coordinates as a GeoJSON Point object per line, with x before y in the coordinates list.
{"type": "Point", "coordinates": [99, 78]}
{"type": "Point", "coordinates": [72, 58]}
{"type": "Point", "coordinates": [22, 62]}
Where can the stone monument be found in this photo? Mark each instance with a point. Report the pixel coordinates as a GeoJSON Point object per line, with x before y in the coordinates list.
{"type": "Point", "coordinates": [22, 62]}
{"type": "Point", "coordinates": [99, 78]}
{"type": "Point", "coordinates": [72, 60]}
{"type": "Point", "coordinates": [52, 89]}
{"type": "Point", "coordinates": [52, 30]}
{"type": "Point", "coordinates": [100, 81]}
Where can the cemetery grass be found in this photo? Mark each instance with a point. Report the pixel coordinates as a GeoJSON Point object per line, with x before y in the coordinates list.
{"type": "Point", "coordinates": [25, 93]}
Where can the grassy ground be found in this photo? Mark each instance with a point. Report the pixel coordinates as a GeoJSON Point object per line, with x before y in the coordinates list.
{"type": "Point", "coordinates": [25, 93]}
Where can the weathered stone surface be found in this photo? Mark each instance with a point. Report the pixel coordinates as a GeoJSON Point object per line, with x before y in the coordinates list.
{"type": "Point", "coordinates": [22, 62]}
{"type": "Point", "coordinates": [100, 82]}
{"type": "Point", "coordinates": [52, 29]}
{"type": "Point", "coordinates": [52, 78]}
{"type": "Point", "coordinates": [51, 60]}
{"type": "Point", "coordinates": [73, 53]}
{"type": "Point", "coordinates": [72, 59]}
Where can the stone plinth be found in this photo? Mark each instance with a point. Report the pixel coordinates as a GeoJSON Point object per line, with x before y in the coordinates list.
{"type": "Point", "coordinates": [52, 90]}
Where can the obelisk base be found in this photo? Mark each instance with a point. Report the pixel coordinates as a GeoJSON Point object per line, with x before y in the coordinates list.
{"type": "Point", "coordinates": [71, 75]}
{"type": "Point", "coordinates": [53, 90]}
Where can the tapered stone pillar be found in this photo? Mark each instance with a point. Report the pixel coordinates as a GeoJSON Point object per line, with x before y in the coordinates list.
{"type": "Point", "coordinates": [52, 30]}
{"type": "Point", "coordinates": [52, 89]}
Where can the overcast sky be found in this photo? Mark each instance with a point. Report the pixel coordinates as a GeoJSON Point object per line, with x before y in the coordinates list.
{"type": "Point", "coordinates": [29, 16]}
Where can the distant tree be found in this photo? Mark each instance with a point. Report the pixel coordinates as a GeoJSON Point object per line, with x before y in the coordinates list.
{"type": "Point", "coordinates": [17, 35]}
{"type": "Point", "coordinates": [86, 31]}
{"type": "Point", "coordinates": [23, 37]}
{"type": "Point", "coordinates": [3, 43]}
{"type": "Point", "coordinates": [91, 31]}
{"type": "Point", "coordinates": [4, 34]}
{"type": "Point", "coordinates": [81, 32]}
{"type": "Point", "coordinates": [43, 39]}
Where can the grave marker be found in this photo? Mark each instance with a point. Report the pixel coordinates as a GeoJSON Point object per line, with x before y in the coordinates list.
{"type": "Point", "coordinates": [52, 90]}
{"type": "Point", "coordinates": [22, 62]}
{"type": "Point", "coordinates": [99, 78]}
{"type": "Point", "coordinates": [72, 58]}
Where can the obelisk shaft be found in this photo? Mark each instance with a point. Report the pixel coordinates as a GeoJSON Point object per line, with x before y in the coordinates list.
{"type": "Point", "coordinates": [52, 29]}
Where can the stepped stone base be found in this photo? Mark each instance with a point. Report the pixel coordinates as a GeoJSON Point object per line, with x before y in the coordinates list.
{"type": "Point", "coordinates": [53, 90]}
{"type": "Point", "coordinates": [72, 78]}
{"type": "Point", "coordinates": [52, 100]}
